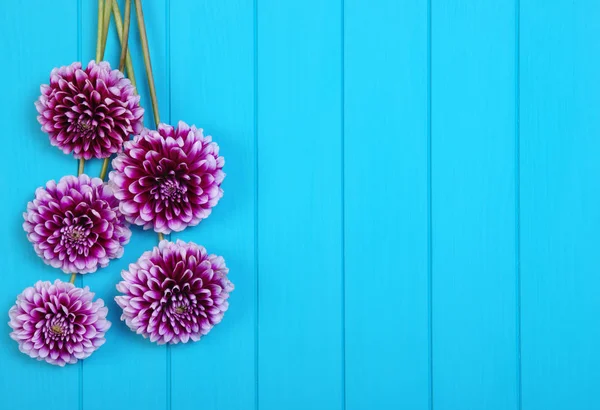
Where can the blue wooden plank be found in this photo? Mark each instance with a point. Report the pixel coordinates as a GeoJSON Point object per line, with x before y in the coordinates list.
{"type": "Point", "coordinates": [474, 319]}
{"type": "Point", "coordinates": [387, 354]}
{"type": "Point", "coordinates": [131, 368]}
{"type": "Point", "coordinates": [300, 361]}
{"type": "Point", "coordinates": [560, 96]}
{"type": "Point", "coordinates": [28, 56]}
{"type": "Point", "coordinates": [212, 86]}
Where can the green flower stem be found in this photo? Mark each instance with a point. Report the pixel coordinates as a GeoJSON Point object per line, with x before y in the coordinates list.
{"type": "Point", "coordinates": [104, 168]}
{"type": "Point", "coordinates": [99, 33]}
{"type": "Point", "coordinates": [105, 25]}
{"type": "Point", "coordinates": [124, 43]}
{"type": "Point", "coordinates": [120, 29]}
{"type": "Point", "coordinates": [147, 63]}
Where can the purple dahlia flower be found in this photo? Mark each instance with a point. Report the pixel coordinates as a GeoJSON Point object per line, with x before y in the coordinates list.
{"type": "Point", "coordinates": [76, 225]}
{"type": "Point", "coordinates": [168, 179]}
{"type": "Point", "coordinates": [89, 112]}
{"type": "Point", "coordinates": [58, 322]}
{"type": "Point", "coordinates": [174, 293]}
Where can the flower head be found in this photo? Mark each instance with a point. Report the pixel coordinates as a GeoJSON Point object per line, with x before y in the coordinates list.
{"type": "Point", "coordinates": [75, 224]}
{"type": "Point", "coordinates": [168, 179]}
{"type": "Point", "coordinates": [58, 322]}
{"type": "Point", "coordinates": [89, 112]}
{"type": "Point", "coordinates": [174, 293]}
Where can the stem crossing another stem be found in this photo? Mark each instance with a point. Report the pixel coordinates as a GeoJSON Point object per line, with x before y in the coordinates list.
{"type": "Point", "coordinates": [146, 51]}
{"type": "Point", "coordinates": [125, 40]}
{"type": "Point", "coordinates": [122, 39]}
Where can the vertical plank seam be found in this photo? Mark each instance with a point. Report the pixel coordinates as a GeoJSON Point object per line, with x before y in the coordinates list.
{"type": "Point", "coordinates": [343, 192]}
{"type": "Point", "coordinates": [256, 274]}
{"type": "Point", "coordinates": [429, 218]}
{"type": "Point", "coordinates": [518, 195]}
{"type": "Point", "coordinates": [80, 58]}
{"type": "Point", "coordinates": [169, 363]}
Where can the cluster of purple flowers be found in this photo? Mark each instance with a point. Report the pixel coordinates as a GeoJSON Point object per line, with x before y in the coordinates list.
{"type": "Point", "coordinates": [165, 179]}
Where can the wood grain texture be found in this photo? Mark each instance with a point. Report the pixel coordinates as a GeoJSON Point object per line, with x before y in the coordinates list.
{"type": "Point", "coordinates": [560, 172]}
{"type": "Point", "coordinates": [410, 214]}
{"type": "Point", "coordinates": [385, 174]}
{"type": "Point", "coordinates": [299, 205]}
{"type": "Point", "coordinates": [28, 162]}
{"type": "Point", "coordinates": [212, 86]}
{"type": "Point", "coordinates": [127, 363]}
{"type": "Point", "coordinates": [473, 205]}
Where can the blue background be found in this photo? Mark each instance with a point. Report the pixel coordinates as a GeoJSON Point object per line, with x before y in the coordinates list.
{"type": "Point", "coordinates": [411, 211]}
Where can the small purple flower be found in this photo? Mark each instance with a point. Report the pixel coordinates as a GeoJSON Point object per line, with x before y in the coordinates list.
{"type": "Point", "coordinates": [89, 112]}
{"type": "Point", "coordinates": [168, 179]}
{"type": "Point", "coordinates": [174, 293]}
{"type": "Point", "coordinates": [76, 225]}
{"type": "Point", "coordinates": [58, 322]}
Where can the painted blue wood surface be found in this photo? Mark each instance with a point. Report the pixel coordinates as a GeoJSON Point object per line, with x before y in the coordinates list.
{"type": "Point", "coordinates": [560, 94]}
{"type": "Point", "coordinates": [212, 85]}
{"type": "Point", "coordinates": [26, 166]}
{"type": "Point", "coordinates": [386, 205]}
{"type": "Point", "coordinates": [474, 319]}
{"type": "Point", "coordinates": [410, 214]}
{"type": "Point", "coordinates": [299, 226]}
{"type": "Point", "coordinates": [141, 366]}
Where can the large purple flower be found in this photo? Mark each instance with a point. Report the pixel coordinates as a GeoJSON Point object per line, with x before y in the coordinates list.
{"type": "Point", "coordinates": [89, 112]}
{"type": "Point", "coordinates": [174, 293]}
{"type": "Point", "coordinates": [76, 225]}
{"type": "Point", "coordinates": [58, 322]}
{"type": "Point", "coordinates": [168, 179]}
